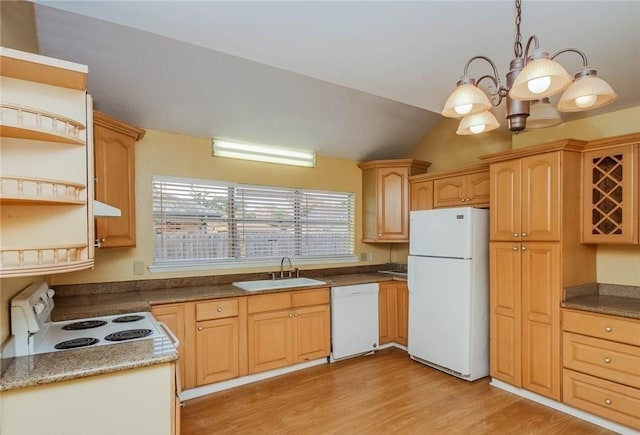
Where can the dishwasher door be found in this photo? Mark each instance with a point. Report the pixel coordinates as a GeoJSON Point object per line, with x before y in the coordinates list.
{"type": "Point", "coordinates": [354, 320]}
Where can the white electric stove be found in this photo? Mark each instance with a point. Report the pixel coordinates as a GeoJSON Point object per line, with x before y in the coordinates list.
{"type": "Point", "coordinates": [35, 332]}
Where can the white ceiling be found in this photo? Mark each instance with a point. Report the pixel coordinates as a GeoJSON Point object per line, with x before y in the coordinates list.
{"type": "Point", "coordinates": [357, 80]}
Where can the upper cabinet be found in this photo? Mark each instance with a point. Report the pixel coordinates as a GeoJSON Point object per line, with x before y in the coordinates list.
{"type": "Point", "coordinates": [461, 187]}
{"type": "Point", "coordinates": [385, 196]}
{"type": "Point", "coordinates": [114, 143]}
{"type": "Point", "coordinates": [610, 192]}
{"type": "Point", "coordinates": [45, 197]}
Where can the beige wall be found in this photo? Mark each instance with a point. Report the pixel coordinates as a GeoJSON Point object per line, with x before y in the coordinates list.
{"type": "Point", "coordinates": [170, 154]}
{"type": "Point", "coordinates": [18, 26]}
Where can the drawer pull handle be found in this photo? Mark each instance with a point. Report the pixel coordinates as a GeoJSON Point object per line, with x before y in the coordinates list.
{"type": "Point", "coordinates": [607, 401]}
{"type": "Point", "coordinates": [608, 329]}
{"type": "Point", "coordinates": [219, 309]}
{"type": "Point", "coordinates": [607, 360]}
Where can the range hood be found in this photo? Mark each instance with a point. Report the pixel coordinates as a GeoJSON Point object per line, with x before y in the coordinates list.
{"type": "Point", "coordinates": [100, 209]}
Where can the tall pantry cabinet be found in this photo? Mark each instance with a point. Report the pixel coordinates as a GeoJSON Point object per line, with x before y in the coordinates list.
{"type": "Point", "coordinates": [535, 252]}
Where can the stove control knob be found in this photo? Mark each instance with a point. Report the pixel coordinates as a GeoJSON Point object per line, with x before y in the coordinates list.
{"type": "Point", "coordinates": [50, 293]}
{"type": "Point", "coordinates": [38, 308]}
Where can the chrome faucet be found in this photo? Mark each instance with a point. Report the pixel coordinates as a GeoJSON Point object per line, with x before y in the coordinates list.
{"type": "Point", "coordinates": [282, 266]}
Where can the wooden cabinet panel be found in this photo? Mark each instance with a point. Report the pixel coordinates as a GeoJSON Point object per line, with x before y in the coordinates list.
{"type": "Point", "coordinates": [505, 310]}
{"type": "Point", "coordinates": [311, 328]}
{"type": "Point", "coordinates": [217, 350]}
{"type": "Point", "coordinates": [387, 323]}
{"type": "Point", "coordinates": [607, 399]}
{"type": "Point", "coordinates": [216, 309]}
{"type": "Point", "coordinates": [269, 302]}
{"type": "Point", "coordinates": [478, 188]}
{"type": "Point", "coordinates": [602, 326]}
{"type": "Point", "coordinates": [114, 143]}
{"type": "Point", "coordinates": [310, 297]}
{"type": "Point", "coordinates": [540, 197]}
{"type": "Point", "coordinates": [402, 313]}
{"type": "Point", "coordinates": [270, 340]}
{"type": "Point", "coordinates": [449, 192]}
{"type": "Point", "coordinates": [173, 316]}
{"type": "Point", "coordinates": [505, 217]}
{"type": "Point", "coordinates": [610, 195]}
{"type": "Point", "coordinates": [421, 194]}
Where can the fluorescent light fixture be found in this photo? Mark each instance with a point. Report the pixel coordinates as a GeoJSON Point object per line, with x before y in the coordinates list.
{"type": "Point", "coordinates": [263, 153]}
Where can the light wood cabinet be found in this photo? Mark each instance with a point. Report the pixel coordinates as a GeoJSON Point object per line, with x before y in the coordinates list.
{"type": "Point", "coordinates": [174, 316]}
{"type": "Point", "coordinates": [460, 187]}
{"type": "Point", "coordinates": [45, 197]}
{"type": "Point", "coordinates": [217, 350]}
{"type": "Point", "coordinates": [535, 251]}
{"type": "Point", "coordinates": [610, 190]}
{"type": "Point", "coordinates": [385, 193]}
{"type": "Point", "coordinates": [393, 312]}
{"type": "Point", "coordinates": [114, 143]}
{"type": "Point", "coordinates": [601, 360]}
{"type": "Point", "coordinates": [287, 328]}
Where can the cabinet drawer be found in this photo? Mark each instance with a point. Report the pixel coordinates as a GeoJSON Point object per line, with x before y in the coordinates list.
{"type": "Point", "coordinates": [310, 297]}
{"type": "Point", "coordinates": [606, 399]}
{"type": "Point", "coordinates": [270, 302]}
{"type": "Point", "coordinates": [605, 359]}
{"type": "Point", "coordinates": [216, 309]}
{"type": "Point", "coordinates": [602, 326]}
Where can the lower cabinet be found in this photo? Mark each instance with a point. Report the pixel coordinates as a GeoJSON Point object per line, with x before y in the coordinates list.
{"type": "Point", "coordinates": [217, 350]}
{"type": "Point", "coordinates": [393, 310]}
{"type": "Point", "coordinates": [173, 315]}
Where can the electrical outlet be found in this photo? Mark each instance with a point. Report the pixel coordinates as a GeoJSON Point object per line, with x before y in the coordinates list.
{"type": "Point", "coordinates": [367, 256]}
{"type": "Point", "coordinates": [138, 267]}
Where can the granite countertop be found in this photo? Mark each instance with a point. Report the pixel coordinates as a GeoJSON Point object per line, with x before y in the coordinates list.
{"type": "Point", "coordinates": [28, 371]}
{"type": "Point", "coordinates": [611, 299]}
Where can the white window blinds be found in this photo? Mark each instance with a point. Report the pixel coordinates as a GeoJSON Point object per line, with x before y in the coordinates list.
{"type": "Point", "coordinates": [202, 221]}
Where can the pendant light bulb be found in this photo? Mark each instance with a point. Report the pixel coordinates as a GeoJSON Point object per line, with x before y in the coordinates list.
{"type": "Point", "coordinates": [463, 109]}
{"type": "Point", "coordinates": [476, 129]}
{"type": "Point", "coordinates": [539, 85]}
{"type": "Point", "coordinates": [586, 101]}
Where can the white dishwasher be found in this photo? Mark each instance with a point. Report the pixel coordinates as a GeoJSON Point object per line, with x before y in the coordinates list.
{"type": "Point", "coordinates": [354, 320]}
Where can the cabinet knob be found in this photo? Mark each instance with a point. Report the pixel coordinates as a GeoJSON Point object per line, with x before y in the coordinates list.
{"type": "Point", "coordinates": [295, 314]}
{"type": "Point", "coordinates": [524, 234]}
{"type": "Point", "coordinates": [468, 199]}
{"type": "Point", "coordinates": [524, 248]}
{"type": "Point", "coordinates": [290, 315]}
{"type": "Point", "coordinates": [516, 235]}
{"type": "Point", "coordinates": [608, 329]}
{"type": "Point", "coordinates": [463, 199]}
{"type": "Point", "coordinates": [199, 328]}
{"type": "Point", "coordinates": [103, 240]}
{"type": "Point", "coordinates": [380, 235]}
{"type": "Point", "coordinates": [515, 247]}
{"type": "Point", "coordinates": [607, 401]}
{"type": "Point", "coordinates": [607, 360]}
{"type": "Point", "coordinates": [219, 309]}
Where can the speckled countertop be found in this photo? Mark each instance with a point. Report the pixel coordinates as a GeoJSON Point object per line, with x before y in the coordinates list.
{"type": "Point", "coordinates": [615, 300]}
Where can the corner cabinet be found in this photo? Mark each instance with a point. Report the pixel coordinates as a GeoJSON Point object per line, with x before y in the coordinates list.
{"type": "Point", "coordinates": [385, 193]}
{"type": "Point", "coordinates": [45, 165]}
{"type": "Point", "coordinates": [535, 252]}
{"type": "Point", "coordinates": [610, 190]}
{"type": "Point", "coordinates": [393, 312]}
{"type": "Point", "coordinates": [114, 143]}
{"type": "Point", "coordinates": [460, 187]}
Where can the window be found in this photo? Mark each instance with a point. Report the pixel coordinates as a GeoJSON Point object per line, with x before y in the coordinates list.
{"type": "Point", "coordinates": [199, 222]}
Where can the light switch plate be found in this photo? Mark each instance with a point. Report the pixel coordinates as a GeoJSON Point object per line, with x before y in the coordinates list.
{"type": "Point", "coordinates": [138, 267]}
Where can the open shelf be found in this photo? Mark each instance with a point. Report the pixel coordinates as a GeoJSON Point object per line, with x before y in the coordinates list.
{"type": "Point", "coordinates": [28, 123]}
{"type": "Point", "coordinates": [42, 69]}
{"type": "Point", "coordinates": [42, 191]}
{"type": "Point", "coordinates": [43, 260]}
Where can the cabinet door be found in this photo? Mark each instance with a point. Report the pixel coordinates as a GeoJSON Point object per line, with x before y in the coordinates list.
{"type": "Point", "coordinates": [386, 312]}
{"type": "Point", "coordinates": [477, 189]}
{"type": "Point", "coordinates": [393, 203]}
{"type": "Point", "coordinates": [216, 350]}
{"type": "Point", "coordinates": [540, 197]}
{"type": "Point", "coordinates": [174, 317]}
{"type": "Point", "coordinates": [449, 192]}
{"type": "Point", "coordinates": [505, 201]}
{"type": "Point", "coordinates": [422, 195]}
{"type": "Point", "coordinates": [115, 185]}
{"type": "Point", "coordinates": [270, 341]}
{"type": "Point", "coordinates": [610, 197]}
{"type": "Point", "coordinates": [505, 312]}
{"type": "Point", "coordinates": [402, 313]}
{"type": "Point", "coordinates": [311, 333]}
{"type": "Point", "coordinates": [541, 289]}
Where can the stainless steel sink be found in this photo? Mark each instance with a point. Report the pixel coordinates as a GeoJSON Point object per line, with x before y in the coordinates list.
{"type": "Point", "coordinates": [272, 284]}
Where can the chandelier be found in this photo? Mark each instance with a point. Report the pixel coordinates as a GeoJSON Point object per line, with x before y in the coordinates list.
{"type": "Point", "coordinates": [531, 80]}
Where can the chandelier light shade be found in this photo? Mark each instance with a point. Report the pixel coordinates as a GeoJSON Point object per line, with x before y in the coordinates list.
{"type": "Point", "coordinates": [542, 114]}
{"type": "Point", "coordinates": [530, 81]}
{"type": "Point", "coordinates": [478, 123]}
{"type": "Point", "coordinates": [541, 78]}
{"type": "Point", "coordinates": [467, 99]}
{"type": "Point", "coordinates": [588, 92]}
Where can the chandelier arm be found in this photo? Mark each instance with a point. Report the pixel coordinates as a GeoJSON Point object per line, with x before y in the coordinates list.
{"type": "Point", "coordinates": [496, 94]}
{"type": "Point", "coordinates": [585, 63]}
{"type": "Point", "coordinates": [532, 38]}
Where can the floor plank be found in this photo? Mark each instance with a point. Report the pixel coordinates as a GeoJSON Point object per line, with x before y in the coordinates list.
{"type": "Point", "coordinates": [386, 393]}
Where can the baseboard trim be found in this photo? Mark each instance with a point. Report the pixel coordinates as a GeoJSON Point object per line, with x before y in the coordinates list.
{"type": "Point", "coordinates": [607, 424]}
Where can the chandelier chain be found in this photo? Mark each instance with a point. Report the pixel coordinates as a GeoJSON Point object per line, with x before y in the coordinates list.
{"type": "Point", "coordinates": [517, 46]}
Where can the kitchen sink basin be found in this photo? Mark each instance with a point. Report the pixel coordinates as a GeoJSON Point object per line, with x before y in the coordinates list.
{"type": "Point", "coordinates": [272, 284]}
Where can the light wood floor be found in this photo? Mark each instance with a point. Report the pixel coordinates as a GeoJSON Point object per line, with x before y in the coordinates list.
{"type": "Point", "coordinates": [386, 393]}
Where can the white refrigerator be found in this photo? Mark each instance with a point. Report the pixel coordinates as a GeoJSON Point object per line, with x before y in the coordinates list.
{"type": "Point", "coordinates": [448, 281]}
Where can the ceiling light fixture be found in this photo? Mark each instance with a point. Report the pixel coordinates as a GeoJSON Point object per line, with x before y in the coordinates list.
{"type": "Point", "coordinates": [531, 78]}
{"type": "Point", "coordinates": [262, 153]}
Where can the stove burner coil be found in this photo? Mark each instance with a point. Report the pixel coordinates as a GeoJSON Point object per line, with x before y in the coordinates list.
{"type": "Point", "coordinates": [127, 319]}
{"type": "Point", "coordinates": [128, 334]}
{"type": "Point", "coordinates": [84, 324]}
{"type": "Point", "coordinates": [76, 342]}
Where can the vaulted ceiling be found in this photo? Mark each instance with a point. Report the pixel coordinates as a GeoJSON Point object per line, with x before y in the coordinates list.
{"type": "Point", "coordinates": [356, 80]}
